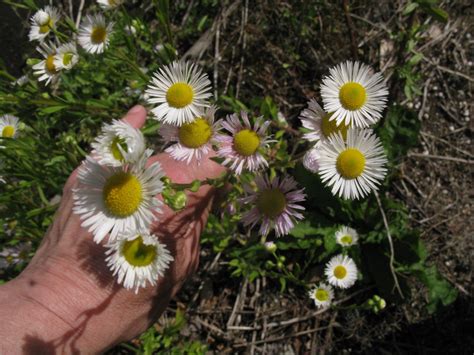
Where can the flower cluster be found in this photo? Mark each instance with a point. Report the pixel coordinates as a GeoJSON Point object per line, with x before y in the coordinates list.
{"type": "Point", "coordinates": [93, 36]}
{"type": "Point", "coordinates": [340, 271]}
{"type": "Point", "coordinates": [118, 194]}
{"type": "Point", "coordinates": [346, 154]}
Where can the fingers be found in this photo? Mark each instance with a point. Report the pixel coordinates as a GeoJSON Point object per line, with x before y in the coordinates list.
{"type": "Point", "coordinates": [136, 117]}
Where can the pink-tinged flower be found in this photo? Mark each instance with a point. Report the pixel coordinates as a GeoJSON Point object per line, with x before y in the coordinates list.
{"type": "Point", "coordinates": [311, 159]}
{"type": "Point", "coordinates": [242, 149]}
{"type": "Point", "coordinates": [194, 140]}
{"type": "Point", "coordinates": [276, 204]}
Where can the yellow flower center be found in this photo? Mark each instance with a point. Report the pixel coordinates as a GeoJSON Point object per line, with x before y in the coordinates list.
{"type": "Point", "coordinates": [8, 131]}
{"type": "Point", "coordinates": [347, 239]}
{"type": "Point", "coordinates": [330, 127]}
{"type": "Point", "coordinates": [350, 163]}
{"type": "Point", "coordinates": [50, 67]}
{"type": "Point", "coordinates": [179, 95]}
{"type": "Point", "coordinates": [114, 148]}
{"type": "Point", "coordinates": [122, 194]}
{"type": "Point", "coordinates": [352, 96]}
{"type": "Point", "coordinates": [45, 27]}
{"type": "Point", "coordinates": [98, 35]}
{"type": "Point", "coordinates": [246, 142]}
{"type": "Point", "coordinates": [138, 253]}
{"type": "Point", "coordinates": [195, 134]}
{"type": "Point", "coordinates": [340, 272]}
{"type": "Point", "coordinates": [271, 202]}
{"type": "Point", "coordinates": [67, 58]}
{"type": "Point", "coordinates": [321, 295]}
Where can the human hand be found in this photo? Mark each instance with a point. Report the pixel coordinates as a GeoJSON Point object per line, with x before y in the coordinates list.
{"type": "Point", "coordinates": [67, 299]}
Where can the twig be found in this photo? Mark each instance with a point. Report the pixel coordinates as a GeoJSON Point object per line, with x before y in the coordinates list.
{"type": "Point", "coordinates": [449, 71]}
{"type": "Point", "coordinates": [216, 61]}
{"type": "Point", "coordinates": [79, 13]}
{"type": "Point", "coordinates": [269, 340]}
{"type": "Point", "coordinates": [350, 25]}
{"type": "Point", "coordinates": [236, 307]}
{"type": "Point", "coordinates": [441, 157]}
{"type": "Point", "coordinates": [245, 10]}
{"type": "Point", "coordinates": [390, 242]}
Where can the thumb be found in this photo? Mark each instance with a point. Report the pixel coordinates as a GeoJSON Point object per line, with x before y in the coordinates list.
{"type": "Point", "coordinates": [136, 117]}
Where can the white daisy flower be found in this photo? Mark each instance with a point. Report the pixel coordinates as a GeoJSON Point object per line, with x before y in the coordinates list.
{"type": "Point", "coordinates": [276, 205]}
{"type": "Point", "coordinates": [66, 56]}
{"type": "Point", "coordinates": [319, 123]}
{"type": "Point", "coordinates": [42, 22]}
{"type": "Point", "coordinates": [137, 259]}
{"type": "Point", "coordinates": [341, 271]}
{"type": "Point", "coordinates": [322, 295]}
{"type": "Point", "coordinates": [311, 159]}
{"type": "Point", "coordinates": [352, 167]}
{"type": "Point", "coordinates": [242, 149]}
{"type": "Point", "coordinates": [181, 91]}
{"type": "Point", "coordinates": [194, 140]}
{"type": "Point", "coordinates": [9, 126]}
{"type": "Point", "coordinates": [114, 199]}
{"type": "Point", "coordinates": [354, 94]}
{"type": "Point", "coordinates": [346, 236]}
{"type": "Point", "coordinates": [46, 70]}
{"type": "Point", "coordinates": [94, 34]}
{"type": "Point", "coordinates": [118, 144]}
{"type": "Point", "coordinates": [109, 4]}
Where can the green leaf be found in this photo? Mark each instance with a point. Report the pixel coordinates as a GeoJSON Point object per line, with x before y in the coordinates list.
{"type": "Point", "coordinates": [440, 291]}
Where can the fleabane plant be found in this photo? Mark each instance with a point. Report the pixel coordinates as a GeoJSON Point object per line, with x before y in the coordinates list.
{"type": "Point", "coordinates": [120, 198]}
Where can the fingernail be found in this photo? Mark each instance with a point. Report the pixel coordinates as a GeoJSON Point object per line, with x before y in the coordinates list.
{"type": "Point", "coordinates": [135, 109]}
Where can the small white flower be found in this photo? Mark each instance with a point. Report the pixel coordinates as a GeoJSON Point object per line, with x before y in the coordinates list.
{"type": "Point", "coordinates": [114, 199]}
{"type": "Point", "coordinates": [137, 259]}
{"type": "Point", "coordinates": [341, 271]}
{"type": "Point", "coordinates": [109, 4]}
{"type": "Point", "coordinates": [118, 144]}
{"type": "Point", "coordinates": [241, 150]}
{"type": "Point", "coordinates": [66, 56]}
{"type": "Point", "coordinates": [181, 91]}
{"type": "Point", "coordinates": [346, 236]}
{"type": "Point", "coordinates": [8, 126]}
{"type": "Point", "coordinates": [94, 34]}
{"type": "Point", "coordinates": [42, 22]}
{"type": "Point", "coordinates": [354, 94]}
{"type": "Point", "coordinates": [319, 123]}
{"type": "Point", "coordinates": [322, 295]}
{"type": "Point", "coordinates": [194, 140]}
{"type": "Point", "coordinates": [352, 167]}
{"type": "Point", "coordinates": [46, 70]}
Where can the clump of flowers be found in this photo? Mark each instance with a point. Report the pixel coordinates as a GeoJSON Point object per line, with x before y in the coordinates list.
{"type": "Point", "coordinates": [119, 197]}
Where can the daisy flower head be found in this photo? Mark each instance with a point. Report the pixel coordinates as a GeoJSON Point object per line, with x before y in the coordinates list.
{"type": "Point", "coordinates": [194, 140]}
{"type": "Point", "coordinates": [110, 4]}
{"type": "Point", "coordinates": [42, 22]}
{"type": "Point", "coordinates": [352, 167]}
{"type": "Point", "coordinates": [9, 126]}
{"type": "Point", "coordinates": [181, 91]}
{"type": "Point", "coordinates": [354, 94]}
{"type": "Point", "coordinates": [94, 34]}
{"type": "Point", "coordinates": [114, 199]}
{"type": "Point", "coordinates": [319, 123]}
{"type": "Point", "coordinates": [118, 144]}
{"type": "Point", "coordinates": [66, 56]}
{"type": "Point", "coordinates": [311, 159]}
{"type": "Point", "coordinates": [341, 271]}
{"type": "Point", "coordinates": [276, 205]}
{"type": "Point", "coordinates": [242, 149]}
{"type": "Point", "coordinates": [46, 69]}
{"type": "Point", "coordinates": [322, 295]}
{"type": "Point", "coordinates": [137, 259]}
{"type": "Point", "coordinates": [346, 236]}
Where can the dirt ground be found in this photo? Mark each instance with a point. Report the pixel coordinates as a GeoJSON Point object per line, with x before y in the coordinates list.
{"type": "Point", "coordinates": [257, 49]}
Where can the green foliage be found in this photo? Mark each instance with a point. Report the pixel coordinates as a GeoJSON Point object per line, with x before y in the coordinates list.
{"type": "Point", "coordinates": [169, 340]}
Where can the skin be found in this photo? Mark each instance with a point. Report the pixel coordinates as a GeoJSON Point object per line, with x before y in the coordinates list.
{"type": "Point", "coordinates": [67, 301]}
